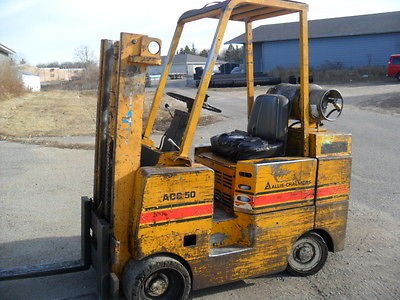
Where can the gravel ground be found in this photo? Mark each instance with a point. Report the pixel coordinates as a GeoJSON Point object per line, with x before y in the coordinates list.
{"type": "Point", "coordinates": [40, 188]}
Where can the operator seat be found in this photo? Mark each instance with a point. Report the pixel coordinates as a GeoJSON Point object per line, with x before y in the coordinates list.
{"type": "Point", "coordinates": [266, 132]}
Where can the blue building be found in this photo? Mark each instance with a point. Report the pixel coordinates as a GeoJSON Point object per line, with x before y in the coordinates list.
{"type": "Point", "coordinates": [356, 41]}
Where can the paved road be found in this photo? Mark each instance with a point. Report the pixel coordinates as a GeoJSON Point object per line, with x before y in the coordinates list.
{"type": "Point", "coordinates": [39, 214]}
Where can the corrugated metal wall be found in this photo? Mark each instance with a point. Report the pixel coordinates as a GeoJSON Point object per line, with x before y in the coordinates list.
{"type": "Point", "coordinates": [352, 51]}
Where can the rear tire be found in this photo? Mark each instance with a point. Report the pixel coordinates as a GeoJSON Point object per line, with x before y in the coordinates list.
{"type": "Point", "coordinates": [308, 255]}
{"type": "Point", "coordinates": [161, 278]}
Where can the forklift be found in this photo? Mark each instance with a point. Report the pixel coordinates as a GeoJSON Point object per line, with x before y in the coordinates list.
{"type": "Point", "coordinates": [160, 223]}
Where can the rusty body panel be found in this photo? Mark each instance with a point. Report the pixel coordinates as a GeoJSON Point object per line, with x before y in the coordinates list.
{"type": "Point", "coordinates": [179, 202]}
{"type": "Point", "coordinates": [275, 184]}
{"type": "Point", "coordinates": [328, 143]}
{"type": "Point", "coordinates": [272, 236]}
{"type": "Point", "coordinates": [332, 198]}
{"type": "Point", "coordinates": [251, 240]}
{"type": "Point", "coordinates": [175, 202]}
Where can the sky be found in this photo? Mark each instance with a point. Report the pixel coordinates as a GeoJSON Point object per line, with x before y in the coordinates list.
{"type": "Point", "coordinates": [43, 31]}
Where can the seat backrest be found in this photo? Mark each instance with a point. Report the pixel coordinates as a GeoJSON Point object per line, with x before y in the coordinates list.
{"type": "Point", "coordinates": [269, 118]}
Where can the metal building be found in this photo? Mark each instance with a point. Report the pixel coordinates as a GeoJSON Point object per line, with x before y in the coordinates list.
{"type": "Point", "coordinates": [5, 53]}
{"type": "Point", "coordinates": [182, 64]}
{"type": "Point", "coordinates": [366, 40]}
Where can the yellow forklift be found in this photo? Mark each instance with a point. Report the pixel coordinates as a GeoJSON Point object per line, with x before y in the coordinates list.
{"type": "Point", "coordinates": [261, 201]}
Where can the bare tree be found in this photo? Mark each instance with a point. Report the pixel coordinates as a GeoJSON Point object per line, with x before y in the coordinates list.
{"type": "Point", "coordinates": [85, 56]}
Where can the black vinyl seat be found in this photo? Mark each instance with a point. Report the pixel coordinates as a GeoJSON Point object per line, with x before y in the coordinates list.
{"type": "Point", "coordinates": [266, 132]}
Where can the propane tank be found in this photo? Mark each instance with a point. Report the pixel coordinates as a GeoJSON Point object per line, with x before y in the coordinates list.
{"type": "Point", "coordinates": [325, 104]}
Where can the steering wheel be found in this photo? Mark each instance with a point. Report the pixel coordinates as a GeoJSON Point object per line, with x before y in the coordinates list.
{"type": "Point", "coordinates": [190, 101]}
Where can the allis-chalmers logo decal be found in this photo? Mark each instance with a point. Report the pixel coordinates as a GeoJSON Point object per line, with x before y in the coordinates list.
{"type": "Point", "coordinates": [287, 184]}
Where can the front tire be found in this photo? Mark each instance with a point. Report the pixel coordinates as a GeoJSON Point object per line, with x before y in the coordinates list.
{"type": "Point", "coordinates": [161, 278]}
{"type": "Point", "coordinates": [308, 255]}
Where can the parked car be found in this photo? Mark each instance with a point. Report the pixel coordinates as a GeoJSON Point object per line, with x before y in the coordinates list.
{"type": "Point", "coordinates": [393, 69]}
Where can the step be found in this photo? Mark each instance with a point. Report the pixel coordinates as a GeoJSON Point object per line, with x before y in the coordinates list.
{"type": "Point", "coordinates": [215, 252]}
{"type": "Point", "coordinates": [221, 215]}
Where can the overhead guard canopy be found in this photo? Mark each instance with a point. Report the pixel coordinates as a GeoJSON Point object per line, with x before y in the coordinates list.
{"type": "Point", "coordinates": [236, 10]}
{"type": "Point", "coordinates": [251, 11]}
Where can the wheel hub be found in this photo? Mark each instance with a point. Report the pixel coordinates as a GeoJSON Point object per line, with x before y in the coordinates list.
{"type": "Point", "coordinates": [158, 285]}
{"type": "Point", "coordinates": [305, 253]}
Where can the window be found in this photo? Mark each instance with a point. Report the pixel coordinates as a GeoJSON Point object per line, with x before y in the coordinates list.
{"type": "Point", "coordinates": [396, 60]}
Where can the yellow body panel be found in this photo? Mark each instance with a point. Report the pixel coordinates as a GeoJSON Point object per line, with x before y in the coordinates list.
{"type": "Point", "coordinates": [326, 143]}
{"type": "Point", "coordinates": [259, 243]}
{"type": "Point", "coordinates": [175, 202]}
{"type": "Point", "coordinates": [333, 179]}
{"type": "Point", "coordinates": [272, 238]}
{"type": "Point", "coordinates": [274, 184]}
{"type": "Point", "coordinates": [332, 219]}
{"type": "Point", "coordinates": [236, 231]}
{"type": "Point", "coordinates": [332, 197]}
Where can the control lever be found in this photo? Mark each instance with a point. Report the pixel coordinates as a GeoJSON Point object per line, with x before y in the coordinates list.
{"type": "Point", "coordinates": [167, 108]}
{"type": "Point", "coordinates": [173, 143]}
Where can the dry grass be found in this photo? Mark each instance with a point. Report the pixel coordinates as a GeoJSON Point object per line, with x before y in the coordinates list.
{"type": "Point", "coordinates": [55, 113]}
{"type": "Point", "coordinates": [334, 73]}
{"type": "Point", "coordinates": [67, 113]}
{"type": "Point", "coordinates": [10, 82]}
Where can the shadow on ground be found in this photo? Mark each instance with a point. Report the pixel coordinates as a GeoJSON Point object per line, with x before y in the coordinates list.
{"type": "Point", "coordinates": [80, 285]}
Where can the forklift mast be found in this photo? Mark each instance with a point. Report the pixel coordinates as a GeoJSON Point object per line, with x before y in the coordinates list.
{"type": "Point", "coordinates": [117, 153]}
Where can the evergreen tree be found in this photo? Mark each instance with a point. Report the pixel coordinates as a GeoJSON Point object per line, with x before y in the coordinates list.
{"type": "Point", "coordinates": [233, 54]}
{"type": "Point", "coordinates": [204, 53]}
{"type": "Point", "coordinates": [193, 50]}
{"type": "Point", "coordinates": [188, 50]}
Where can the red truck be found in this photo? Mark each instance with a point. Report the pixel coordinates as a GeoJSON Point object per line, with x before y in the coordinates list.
{"type": "Point", "coordinates": [393, 69]}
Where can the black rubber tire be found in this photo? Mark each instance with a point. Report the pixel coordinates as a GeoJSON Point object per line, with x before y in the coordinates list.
{"type": "Point", "coordinates": [313, 242]}
{"type": "Point", "coordinates": [398, 76]}
{"type": "Point", "coordinates": [137, 277]}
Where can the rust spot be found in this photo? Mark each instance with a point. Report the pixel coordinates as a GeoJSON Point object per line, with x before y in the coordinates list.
{"type": "Point", "coordinates": [130, 71]}
{"type": "Point", "coordinates": [134, 85]}
{"type": "Point", "coordinates": [278, 171]}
